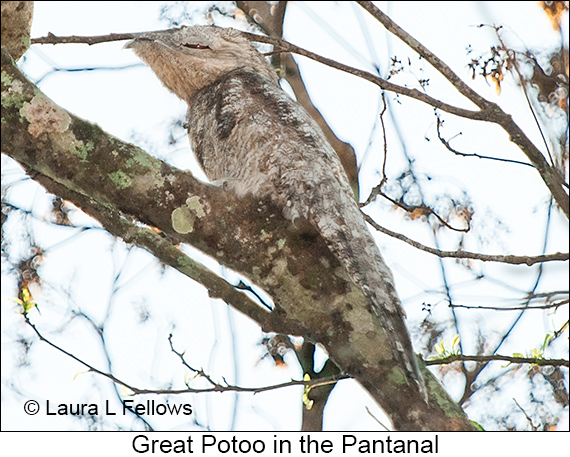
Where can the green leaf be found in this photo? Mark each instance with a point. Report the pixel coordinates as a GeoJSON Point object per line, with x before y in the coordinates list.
{"type": "Point", "coordinates": [27, 302]}
{"type": "Point", "coordinates": [455, 344]}
{"type": "Point", "coordinates": [479, 427]}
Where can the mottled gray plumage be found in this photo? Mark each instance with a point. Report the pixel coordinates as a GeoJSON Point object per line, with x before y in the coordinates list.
{"type": "Point", "coordinates": [248, 133]}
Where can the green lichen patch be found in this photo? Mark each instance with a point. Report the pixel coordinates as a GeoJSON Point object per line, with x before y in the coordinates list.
{"type": "Point", "coordinates": [182, 220]}
{"type": "Point", "coordinates": [120, 179]}
{"type": "Point", "coordinates": [397, 376]}
{"type": "Point", "coordinates": [6, 79]}
{"type": "Point", "coordinates": [142, 159]}
{"type": "Point", "coordinates": [81, 149]}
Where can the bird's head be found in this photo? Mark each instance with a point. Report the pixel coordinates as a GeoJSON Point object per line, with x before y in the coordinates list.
{"type": "Point", "coordinates": [189, 58]}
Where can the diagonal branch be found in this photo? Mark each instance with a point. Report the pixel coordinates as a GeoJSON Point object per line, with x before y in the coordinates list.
{"type": "Point", "coordinates": [491, 111]}
{"type": "Point", "coordinates": [284, 46]}
{"type": "Point", "coordinates": [167, 250]}
{"type": "Point", "coordinates": [435, 61]}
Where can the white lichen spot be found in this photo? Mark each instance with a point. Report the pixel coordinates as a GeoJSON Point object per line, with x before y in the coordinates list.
{"type": "Point", "coordinates": [44, 116]}
{"type": "Point", "coordinates": [193, 203]}
{"type": "Point", "coordinates": [182, 220]}
{"type": "Point", "coordinates": [16, 87]}
{"type": "Point", "coordinates": [183, 217]}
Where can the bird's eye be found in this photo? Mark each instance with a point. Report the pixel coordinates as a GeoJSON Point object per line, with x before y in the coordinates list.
{"type": "Point", "coordinates": [195, 46]}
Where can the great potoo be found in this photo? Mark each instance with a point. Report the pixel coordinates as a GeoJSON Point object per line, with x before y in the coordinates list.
{"type": "Point", "coordinates": [247, 133]}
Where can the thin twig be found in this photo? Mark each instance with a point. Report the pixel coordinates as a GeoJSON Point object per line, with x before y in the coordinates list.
{"type": "Point", "coordinates": [491, 111]}
{"type": "Point", "coordinates": [514, 308]}
{"type": "Point", "coordinates": [445, 142]}
{"type": "Point", "coordinates": [498, 358]}
{"type": "Point", "coordinates": [284, 46]}
{"type": "Point", "coordinates": [511, 259]}
{"type": "Point", "coordinates": [215, 388]}
{"type": "Point", "coordinates": [90, 40]}
{"type": "Point", "coordinates": [528, 418]}
{"type": "Point", "coordinates": [423, 209]}
{"type": "Point", "coordinates": [385, 141]}
{"type": "Point", "coordinates": [199, 372]}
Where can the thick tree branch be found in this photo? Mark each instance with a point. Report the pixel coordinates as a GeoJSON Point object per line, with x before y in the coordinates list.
{"type": "Point", "coordinates": [166, 249]}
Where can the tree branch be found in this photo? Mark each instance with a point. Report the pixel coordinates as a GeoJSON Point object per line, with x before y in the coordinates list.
{"type": "Point", "coordinates": [512, 259]}
{"type": "Point", "coordinates": [50, 38]}
{"type": "Point", "coordinates": [491, 111]}
{"type": "Point", "coordinates": [499, 358]}
{"type": "Point", "coordinates": [514, 308]}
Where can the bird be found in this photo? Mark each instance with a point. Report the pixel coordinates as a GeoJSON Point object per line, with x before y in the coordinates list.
{"type": "Point", "coordinates": [253, 138]}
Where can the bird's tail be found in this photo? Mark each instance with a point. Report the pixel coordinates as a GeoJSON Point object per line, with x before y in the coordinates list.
{"type": "Point", "coordinates": [349, 239]}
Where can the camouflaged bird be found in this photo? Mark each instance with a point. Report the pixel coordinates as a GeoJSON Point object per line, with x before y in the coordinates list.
{"type": "Point", "coordinates": [248, 134]}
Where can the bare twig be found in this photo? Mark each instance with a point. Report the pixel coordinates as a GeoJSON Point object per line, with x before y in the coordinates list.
{"type": "Point", "coordinates": [435, 61]}
{"type": "Point", "coordinates": [445, 142]}
{"type": "Point", "coordinates": [376, 419]}
{"type": "Point", "coordinates": [385, 140]}
{"type": "Point", "coordinates": [284, 46]}
{"type": "Point", "coordinates": [422, 209]}
{"type": "Point", "coordinates": [498, 358]}
{"type": "Point", "coordinates": [215, 388]}
{"type": "Point", "coordinates": [90, 40]}
{"type": "Point", "coordinates": [511, 259]}
{"type": "Point", "coordinates": [514, 308]}
{"type": "Point", "coordinates": [180, 355]}
{"type": "Point", "coordinates": [528, 418]}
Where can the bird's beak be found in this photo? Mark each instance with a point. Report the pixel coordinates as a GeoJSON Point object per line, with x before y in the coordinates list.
{"type": "Point", "coordinates": [132, 44]}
